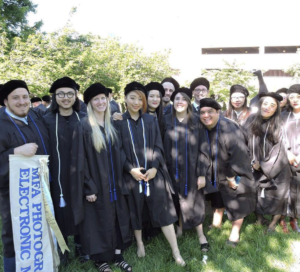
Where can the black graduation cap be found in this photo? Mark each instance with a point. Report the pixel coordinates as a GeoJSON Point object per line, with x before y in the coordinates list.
{"type": "Point", "coordinates": [200, 81]}
{"type": "Point", "coordinates": [156, 86]}
{"type": "Point", "coordinates": [282, 90]}
{"type": "Point", "coordinates": [77, 86]}
{"type": "Point", "coordinates": [276, 96]}
{"type": "Point", "coordinates": [35, 99]}
{"type": "Point", "coordinates": [239, 89]}
{"type": "Point", "coordinates": [109, 90]}
{"type": "Point", "coordinates": [135, 86]}
{"type": "Point", "coordinates": [65, 82]}
{"type": "Point", "coordinates": [294, 89]}
{"type": "Point", "coordinates": [187, 91]}
{"type": "Point", "coordinates": [94, 90]}
{"type": "Point", "coordinates": [210, 102]}
{"type": "Point", "coordinates": [46, 98]}
{"type": "Point", "coordinates": [171, 80]}
{"type": "Point", "coordinates": [9, 87]}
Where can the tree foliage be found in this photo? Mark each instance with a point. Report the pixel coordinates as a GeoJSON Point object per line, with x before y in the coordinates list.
{"type": "Point", "coordinates": [43, 58]}
{"type": "Point", "coordinates": [13, 19]}
{"type": "Point", "coordinates": [294, 70]}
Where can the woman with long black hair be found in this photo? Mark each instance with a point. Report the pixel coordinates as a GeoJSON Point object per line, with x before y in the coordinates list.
{"type": "Point", "coordinates": [292, 134]}
{"type": "Point", "coordinates": [269, 159]}
{"type": "Point", "coordinates": [181, 146]}
{"type": "Point", "coordinates": [237, 105]}
{"type": "Point", "coordinates": [99, 207]}
{"type": "Point", "coordinates": [145, 175]}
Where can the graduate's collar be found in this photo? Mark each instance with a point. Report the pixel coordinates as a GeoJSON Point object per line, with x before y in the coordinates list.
{"type": "Point", "coordinates": [22, 119]}
{"type": "Point", "coordinates": [196, 106]}
{"type": "Point", "coordinates": [128, 116]}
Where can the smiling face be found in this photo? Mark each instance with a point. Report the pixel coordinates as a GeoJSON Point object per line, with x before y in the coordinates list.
{"type": "Point", "coordinates": [169, 89]}
{"type": "Point", "coordinates": [268, 107]}
{"type": "Point", "coordinates": [284, 101]}
{"type": "Point", "coordinates": [180, 103]}
{"type": "Point", "coordinates": [99, 103]}
{"type": "Point", "coordinates": [209, 117]}
{"type": "Point", "coordinates": [237, 100]}
{"type": "Point", "coordinates": [134, 102]}
{"type": "Point", "coordinates": [199, 93]}
{"type": "Point", "coordinates": [153, 99]}
{"type": "Point", "coordinates": [294, 99]}
{"type": "Point", "coordinates": [65, 97]}
{"type": "Point", "coordinates": [18, 102]}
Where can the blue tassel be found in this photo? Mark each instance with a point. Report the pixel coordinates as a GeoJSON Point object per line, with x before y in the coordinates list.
{"type": "Point", "coordinates": [145, 191]}
{"type": "Point", "coordinates": [111, 198]}
{"type": "Point", "coordinates": [62, 202]}
{"type": "Point", "coordinates": [186, 189]}
{"type": "Point", "coordinates": [115, 194]}
{"type": "Point", "coordinates": [215, 184]}
{"type": "Point", "coordinates": [176, 175]}
{"type": "Point", "coordinates": [50, 177]}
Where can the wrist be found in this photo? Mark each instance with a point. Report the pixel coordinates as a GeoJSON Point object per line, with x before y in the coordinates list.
{"type": "Point", "coordinates": [230, 179]}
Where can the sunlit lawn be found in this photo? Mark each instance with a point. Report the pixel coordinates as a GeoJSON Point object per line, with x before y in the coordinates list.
{"type": "Point", "coordinates": [257, 251]}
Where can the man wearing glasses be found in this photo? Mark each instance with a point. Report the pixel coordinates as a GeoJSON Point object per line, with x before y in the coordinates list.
{"type": "Point", "coordinates": [200, 88]}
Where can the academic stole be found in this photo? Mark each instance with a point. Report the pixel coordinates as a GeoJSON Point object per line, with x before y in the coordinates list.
{"type": "Point", "coordinates": [216, 166]}
{"type": "Point", "coordinates": [186, 156]}
{"type": "Point", "coordinates": [146, 184]}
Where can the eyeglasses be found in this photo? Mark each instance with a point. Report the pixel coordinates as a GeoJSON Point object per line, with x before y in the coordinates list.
{"type": "Point", "coordinates": [63, 95]}
{"type": "Point", "coordinates": [200, 91]}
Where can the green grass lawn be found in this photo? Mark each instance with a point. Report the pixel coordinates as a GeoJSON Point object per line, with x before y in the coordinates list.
{"type": "Point", "coordinates": [257, 251]}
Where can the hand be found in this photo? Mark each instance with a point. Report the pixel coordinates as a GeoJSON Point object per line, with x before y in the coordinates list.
{"type": "Point", "coordinates": [117, 116]}
{"type": "Point", "coordinates": [136, 174]}
{"type": "Point", "coordinates": [231, 183]}
{"type": "Point", "coordinates": [292, 159]}
{"type": "Point", "coordinates": [201, 182]}
{"type": "Point", "coordinates": [27, 150]}
{"type": "Point", "coordinates": [91, 198]}
{"type": "Point", "coordinates": [150, 174]}
{"type": "Point", "coordinates": [256, 166]}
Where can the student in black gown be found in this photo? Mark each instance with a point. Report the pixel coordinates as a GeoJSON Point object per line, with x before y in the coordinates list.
{"type": "Point", "coordinates": [224, 161]}
{"type": "Point", "coordinates": [291, 125]}
{"type": "Point", "coordinates": [269, 159]}
{"type": "Point", "coordinates": [23, 132]}
{"type": "Point", "coordinates": [99, 207]}
{"type": "Point", "coordinates": [149, 188]}
{"type": "Point", "coordinates": [114, 106]}
{"type": "Point", "coordinates": [283, 103]}
{"type": "Point", "coordinates": [261, 89]}
{"type": "Point", "coordinates": [181, 145]}
{"type": "Point", "coordinates": [200, 87]}
{"type": "Point", "coordinates": [237, 105]}
{"type": "Point", "coordinates": [61, 120]}
{"type": "Point", "coordinates": [170, 85]}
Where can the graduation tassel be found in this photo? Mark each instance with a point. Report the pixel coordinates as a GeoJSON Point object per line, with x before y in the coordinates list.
{"type": "Point", "coordinates": [185, 191]}
{"type": "Point", "coordinates": [115, 194]}
{"type": "Point", "coordinates": [145, 191]}
{"type": "Point", "coordinates": [111, 196]}
{"type": "Point", "coordinates": [141, 186]}
{"type": "Point", "coordinates": [262, 195]}
{"type": "Point", "coordinates": [62, 202]}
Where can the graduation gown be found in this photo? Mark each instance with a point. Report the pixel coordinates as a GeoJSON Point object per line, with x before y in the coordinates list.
{"type": "Point", "coordinates": [168, 109]}
{"type": "Point", "coordinates": [275, 173]}
{"type": "Point", "coordinates": [83, 106]}
{"type": "Point", "coordinates": [196, 110]}
{"type": "Point", "coordinates": [91, 172]}
{"type": "Point", "coordinates": [10, 138]}
{"type": "Point", "coordinates": [241, 120]}
{"type": "Point", "coordinates": [64, 216]}
{"type": "Point", "coordinates": [160, 204]}
{"type": "Point", "coordinates": [232, 160]}
{"type": "Point", "coordinates": [191, 206]}
{"type": "Point", "coordinates": [114, 107]}
{"type": "Point", "coordinates": [292, 140]}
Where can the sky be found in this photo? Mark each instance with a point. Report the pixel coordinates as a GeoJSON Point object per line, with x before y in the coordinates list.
{"type": "Point", "coordinates": [183, 26]}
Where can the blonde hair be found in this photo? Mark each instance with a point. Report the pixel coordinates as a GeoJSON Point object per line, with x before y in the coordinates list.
{"type": "Point", "coordinates": [97, 135]}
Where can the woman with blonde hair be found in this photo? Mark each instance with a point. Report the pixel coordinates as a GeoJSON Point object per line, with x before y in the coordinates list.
{"type": "Point", "coordinates": [146, 178]}
{"type": "Point", "coordinates": [99, 207]}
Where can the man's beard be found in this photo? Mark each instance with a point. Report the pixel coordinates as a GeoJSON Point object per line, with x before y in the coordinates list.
{"type": "Point", "coordinates": [22, 115]}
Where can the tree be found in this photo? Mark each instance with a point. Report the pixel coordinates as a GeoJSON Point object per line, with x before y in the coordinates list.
{"type": "Point", "coordinates": [294, 70]}
{"type": "Point", "coordinates": [13, 18]}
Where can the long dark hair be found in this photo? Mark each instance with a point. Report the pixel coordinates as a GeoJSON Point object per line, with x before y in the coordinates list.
{"type": "Point", "coordinates": [158, 111]}
{"type": "Point", "coordinates": [245, 112]}
{"type": "Point", "coordinates": [189, 110]}
{"type": "Point", "coordinates": [55, 107]}
{"type": "Point", "coordinates": [288, 106]}
{"type": "Point", "coordinates": [274, 128]}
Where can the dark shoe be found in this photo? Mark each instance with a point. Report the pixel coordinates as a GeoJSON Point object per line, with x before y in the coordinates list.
{"type": "Point", "coordinates": [83, 258]}
{"type": "Point", "coordinates": [205, 247]}
{"type": "Point", "coordinates": [64, 258]}
{"type": "Point", "coordinates": [294, 225]}
{"type": "Point", "coordinates": [283, 226]}
{"type": "Point", "coordinates": [232, 244]}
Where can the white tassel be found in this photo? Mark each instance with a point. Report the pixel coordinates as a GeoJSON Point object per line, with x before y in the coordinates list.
{"type": "Point", "coordinates": [141, 186]}
{"type": "Point", "coordinates": [148, 189]}
{"type": "Point", "coordinates": [262, 195]}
